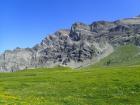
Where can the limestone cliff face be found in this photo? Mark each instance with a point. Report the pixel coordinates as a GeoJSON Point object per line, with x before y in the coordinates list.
{"type": "Point", "coordinates": [16, 60]}
{"type": "Point", "coordinates": [79, 46]}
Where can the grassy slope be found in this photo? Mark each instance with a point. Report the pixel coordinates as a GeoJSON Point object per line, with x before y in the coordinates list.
{"type": "Point", "coordinates": [123, 56]}
{"type": "Point", "coordinates": [64, 86]}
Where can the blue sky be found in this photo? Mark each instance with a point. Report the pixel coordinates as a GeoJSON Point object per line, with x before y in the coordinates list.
{"type": "Point", "coordinates": [24, 23]}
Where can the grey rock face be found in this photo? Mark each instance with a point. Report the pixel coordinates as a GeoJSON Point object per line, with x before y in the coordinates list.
{"type": "Point", "coordinates": [80, 46]}
{"type": "Point", "coordinates": [17, 59]}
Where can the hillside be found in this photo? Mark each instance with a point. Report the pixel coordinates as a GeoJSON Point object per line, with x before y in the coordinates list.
{"type": "Point", "coordinates": [126, 55]}
{"type": "Point", "coordinates": [64, 86]}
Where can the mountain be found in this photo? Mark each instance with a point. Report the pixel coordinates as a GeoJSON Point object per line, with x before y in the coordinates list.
{"type": "Point", "coordinates": [125, 55]}
{"type": "Point", "coordinates": [79, 46]}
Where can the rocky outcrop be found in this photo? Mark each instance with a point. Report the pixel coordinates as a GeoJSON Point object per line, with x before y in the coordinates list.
{"type": "Point", "coordinates": [17, 59]}
{"type": "Point", "coordinates": [79, 46]}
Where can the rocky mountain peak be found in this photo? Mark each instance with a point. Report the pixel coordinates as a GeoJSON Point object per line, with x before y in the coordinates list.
{"type": "Point", "coordinates": [79, 26]}
{"type": "Point", "coordinates": [79, 46]}
{"type": "Point", "coordinates": [63, 32]}
{"type": "Point", "coordinates": [101, 26]}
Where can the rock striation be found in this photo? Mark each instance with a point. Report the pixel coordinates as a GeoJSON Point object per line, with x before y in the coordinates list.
{"type": "Point", "coordinates": [76, 47]}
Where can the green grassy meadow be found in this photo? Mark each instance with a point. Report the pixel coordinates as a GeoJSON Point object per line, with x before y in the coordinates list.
{"type": "Point", "coordinates": [63, 86]}
{"type": "Point", "coordinates": [94, 85]}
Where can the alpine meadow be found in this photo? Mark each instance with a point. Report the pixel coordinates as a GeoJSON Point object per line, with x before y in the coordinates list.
{"type": "Point", "coordinates": [71, 52]}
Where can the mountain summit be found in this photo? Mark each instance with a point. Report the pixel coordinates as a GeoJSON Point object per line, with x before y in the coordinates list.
{"type": "Point", "coordinates": [79, 46]}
